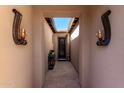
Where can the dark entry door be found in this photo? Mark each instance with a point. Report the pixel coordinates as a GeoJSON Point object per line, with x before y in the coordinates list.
{"type": "Point", "coordinates": [61, 48]}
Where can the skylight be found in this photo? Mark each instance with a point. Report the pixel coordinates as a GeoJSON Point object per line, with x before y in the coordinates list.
{"type": "Point", "coordinates": [62, 24]}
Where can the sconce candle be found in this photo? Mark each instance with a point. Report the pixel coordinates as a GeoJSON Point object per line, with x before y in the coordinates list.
{"type": "Point", "coordinates": [100, 34]}
{"type": "Point", "coordinates": [23, 33]}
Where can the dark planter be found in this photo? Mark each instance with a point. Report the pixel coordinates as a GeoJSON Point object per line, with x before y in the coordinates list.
{"type": "Point", "coordinates": [51, 59]}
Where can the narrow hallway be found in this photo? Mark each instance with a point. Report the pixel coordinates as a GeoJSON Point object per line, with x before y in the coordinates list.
{"type": "Point", "coordinates": [62, 76]}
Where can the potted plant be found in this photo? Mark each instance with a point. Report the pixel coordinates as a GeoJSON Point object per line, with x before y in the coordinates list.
{"type": "Point", "coordinates": [51, 59]}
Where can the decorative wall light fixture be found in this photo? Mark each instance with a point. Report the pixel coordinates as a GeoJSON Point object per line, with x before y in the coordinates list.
{"type": "Point", "coordinates": [18, 34]}
{"type": "Point", "coordinates": [104, 37]}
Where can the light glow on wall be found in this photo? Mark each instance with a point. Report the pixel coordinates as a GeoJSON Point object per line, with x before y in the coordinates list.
{"type": "Point", "coordinates": [75, 33]}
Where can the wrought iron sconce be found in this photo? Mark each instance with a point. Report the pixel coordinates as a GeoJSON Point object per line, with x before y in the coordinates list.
{"type": "Point", "coordinates": [104, 37]}
{"type": "Point", "coordinates": [18, 34]}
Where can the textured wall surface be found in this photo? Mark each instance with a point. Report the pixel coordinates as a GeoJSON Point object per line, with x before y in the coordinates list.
{"type": "Point", "coordinates": [42, 43]}
{"type": "Point", "coordinates": [15, 60]}
{"type": "Point", "coordinates": [38, 48]}
{"type": "Point", "coordinates": [101, 66]}
{"type": "Point", "coordinates": [75, 53]}
{"type": "Point", "coordinates": [48, 41]}
{"type": "Point", "coordinates": [84, 49]}
{"type": "Point", "coordinates": [107, 62]}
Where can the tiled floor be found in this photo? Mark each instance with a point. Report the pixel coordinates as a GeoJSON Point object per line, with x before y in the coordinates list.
{"type": "Point", "coordinates": [62, 76]}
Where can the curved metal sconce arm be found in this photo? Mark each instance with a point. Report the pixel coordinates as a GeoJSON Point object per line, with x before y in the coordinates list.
{"type": "Point", "coordinates": [107, 30]}
{"type": "Point", "coordinates": [16, 31]}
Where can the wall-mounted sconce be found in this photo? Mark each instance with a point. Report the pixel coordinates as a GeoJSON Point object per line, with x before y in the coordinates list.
{"type": "Point", "coordinates": [104, 37]}
{"type": "Point", "coordinates": [18, 33]}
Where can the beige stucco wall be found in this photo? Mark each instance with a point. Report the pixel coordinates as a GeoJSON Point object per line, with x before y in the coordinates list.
{"type": "Point", "coordinates": [75, 53]}
{"type": "Point", "coordinates": [101, 66]}
{"type": "Point", "coordinates": [84, 48]}
{"type": "Point", "coordinates": [42, 43]}
{"type": "Point", "coordinates": [38, 48]}
{"type": "Point", "coordinates": [15, 60]}
{"type": "Point", "coordinates": [107, 62]}
{"type": "Point", "coordinates": [48, 41]}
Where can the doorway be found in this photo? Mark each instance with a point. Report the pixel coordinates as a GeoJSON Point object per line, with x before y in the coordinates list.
{"type": "Point", "coordinates": [62, 48]}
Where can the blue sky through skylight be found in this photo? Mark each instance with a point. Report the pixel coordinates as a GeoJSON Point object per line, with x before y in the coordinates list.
{"type": "Point", "coordinates": [62, 24]}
